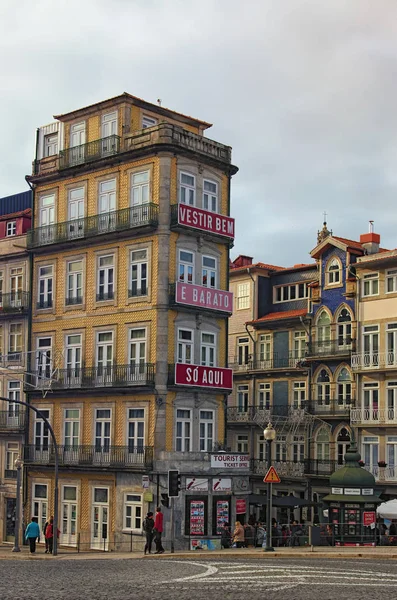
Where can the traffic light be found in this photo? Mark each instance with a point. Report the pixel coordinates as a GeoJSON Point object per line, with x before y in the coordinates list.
{"type": "Point", "coordinates": [165, 501]}
{"type": "Point", "coordinates": [174, 484]}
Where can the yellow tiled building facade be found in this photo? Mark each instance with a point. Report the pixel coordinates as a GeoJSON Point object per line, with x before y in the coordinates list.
{"type": "Point", "coordinates": [109, 251]}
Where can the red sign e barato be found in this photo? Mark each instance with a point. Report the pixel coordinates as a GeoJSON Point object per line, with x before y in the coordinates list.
{"type": "Point", "coordinates": [198, 295]}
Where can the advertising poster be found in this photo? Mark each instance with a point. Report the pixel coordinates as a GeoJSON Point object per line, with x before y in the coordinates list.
{"type": "Point", "coordinates": [205, 544]}
{"type": "Point", "coordinates": [222, 515]}
{"type": "Point", "coordinates": [197, 517]}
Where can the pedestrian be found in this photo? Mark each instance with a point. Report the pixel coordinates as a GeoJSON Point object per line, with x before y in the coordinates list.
{"type": "Point", "coordinates": [49, 535]}
{"type": "Point", "coordinates": [158, 530]}
{"type": "Point", "coordinates": [46, 539]}
{"type": "Point", "coordinates": [285, 535]}
{"type": "Point", "coordinates": [249, 535]}
{"type": "Point", "coordinates": [32, 534]}
{"type": "Point", "coordinates": [148, 526]}
{"type": "Point", "coordinates": [226, 536]}
{"type": "Point", "coordinates": [260, 535]}
{"type": "Point", "coordinates": [296, 533]}
{"type": "Point", "coordinates": [238, 535]}
{"type": "Point", "coordinates": [276, 534]}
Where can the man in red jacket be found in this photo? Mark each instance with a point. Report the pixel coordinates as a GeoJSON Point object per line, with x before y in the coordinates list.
{"type": "Point", "coordinates": [158, 530]}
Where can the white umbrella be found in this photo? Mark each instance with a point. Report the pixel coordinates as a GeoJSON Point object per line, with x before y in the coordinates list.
{"type": "Point", "coordinates": [388, 510]}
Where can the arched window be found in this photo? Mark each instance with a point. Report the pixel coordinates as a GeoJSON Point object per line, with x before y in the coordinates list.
{"type": "Point", "coordinates": [322, 445]}
{"type": "Point", "coordinates": [344, 387]}
{"type": "Point", "coordinates": [323, 389]}
{"type": "Point", "coordinates": [323, 334]}
{"type": "Point", "coordinates": [333, 272]}
{"type": "Point", "coordinates": [344, 329]}
{"type": "Point", "coordinates": [343, 444]}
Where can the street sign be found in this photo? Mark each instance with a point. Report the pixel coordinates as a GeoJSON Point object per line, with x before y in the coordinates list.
{"type": "Point", "coordinates": [271, 476]}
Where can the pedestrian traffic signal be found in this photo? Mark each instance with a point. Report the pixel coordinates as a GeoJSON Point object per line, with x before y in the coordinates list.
{"type": "Point", "coordinates": [165, 501]}
{"type": "Point", "coordinates": [174, 484]}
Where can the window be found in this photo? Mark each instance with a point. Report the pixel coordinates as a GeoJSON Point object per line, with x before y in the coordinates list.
{"type": "Point", "coordinates": [1, 288]}
{"type": "Point", "coordinates": [243, 350]}
{"type": "Point", "coordinates": [294, 291]}
{"type": "Point", "coordinates": [391, 454]}
{"type": "Point", "coordinates": [242, 443]}
{"type": "Point", "coordinates": [14, 393]}
{"type": "Point", "coordinates": [322, 445]}
{"type": "Point", "coordinates": [105, 278]}
{"type": "Point", "coordinates": [11, 228]}
{"type": "Point", "coordinates": [344, 329]}
{"type": "Point", "coordinates": [137, 354]}
{"type": "Point", "coordinates": [136, 429]}
{"type": "Point", "coordinates": [298, 448]}
{"type": "Point", "coordinates": [391, 281]}
{"type": "Point", "coordinates": [265, 349]}
{"type": "Point", "coordinates": [371, 284]}
{"type": "Point", "coordinates": [12, 453]}
{"type": "Point", "coordinates": [210, 196]}
{"type": "Point", "coordinates": [140, 192]}
{"type": "Point", "coordinates": [183, 429]}
{"type": "Point", "coordinates": [44, 358]}
{"type": "Point", "coordinates": [73, 359]}
{"type": "Point", "coordinates": [133, 512]}
{"type": "Point", "coordinates": [208, 274]}
{"type": "Point", "coordinates": [391, 333]}
{"type": "Point", "coordinates": [104, 354]}
{"type": "Point", "coordinates": [333, 272]}
{"type": "Point", "coordinates": [16, 286]}
{"type": "Point", "coordinates": [299, 392]}
{"type": "Point", "coordinates": [109, 126]}
{"type": "Point", "coordinates": [323, 388]}
{"type": "Point", "coordinates": [45, 287]}
{"type": "Point", "coordinates": [46, 232]}
{"type": "Point", "coordinates": [299, 344]}
{"type": "Point", "coordinates": [187, 190]}
{"type": "Point", "coordinates": [50, 144]}
{"type": "Point", "coordinates": [208, 349]}
{"type": "Point", "coordinates": [185, 346]}
{"type": "Point", "coordinates": [281, 448]}
{"type": "Point", "coordinates": [242, 398]}
{"type": "Point", "coordinates": [138, 273]}
{"type": "Point", "coordinates": [344, 387]}
{"type": "Point", "coordinates": [261, 448]}
{"type": "Point", "coordinates": [371, 345]}
{"type": "Point", "coordinates": [206, 430]}
{"type": "Point", "coordinates": [343, 444]}
{"type": "Point", "coordinates": [71, 428]}
{"type": "Point", "coordinates": [243, 295]}
{"type": "Point", "coordinates": [74, 282]}
{"type": "Point", "coordinates": [103, 420]}
{"type": "Point", "coordinates": [391, 400]}
{"type": "Point", "coordinates": [371, 401]}
{"type": "Point", "coordinates": [148, 122]}
{"type": "Point", "coordinates": [107, 206]}
{"type": "Point", "coordinates": [186, 266]}
{"type": "Point", "coordinates": [264, 395]}
{"type": "Point", "coordinates": [76, 213]}
{"type": "Point", "coordinates": [323, 333]}
{"type": "Point", "coordinates": [15, 341]}
{"type": "Point", "coordinates": [1, 342]}
{"type": "Point", "coordinates": [40, 503]}
{"type": "Point", "coordinates": [371, 451]}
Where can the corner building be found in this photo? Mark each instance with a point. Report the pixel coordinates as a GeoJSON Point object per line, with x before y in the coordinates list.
{"type": "Point", "coordinates": [130, 249]}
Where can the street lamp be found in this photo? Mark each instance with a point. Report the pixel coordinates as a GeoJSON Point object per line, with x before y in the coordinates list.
{"type": "Point", "coordinates": [269, 435]}
{"type": "Point", "coordinates": [18, 464]}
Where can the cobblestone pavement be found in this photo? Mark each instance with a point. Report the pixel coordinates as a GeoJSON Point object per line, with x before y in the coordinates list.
{"type": "Point", "coordinates": [197, 579]}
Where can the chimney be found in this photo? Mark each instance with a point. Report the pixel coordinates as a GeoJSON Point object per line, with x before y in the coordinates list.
{"type": "Point", "coordinates": [242, 261]}
{"type": "Point", "coordinates": [371, 240]}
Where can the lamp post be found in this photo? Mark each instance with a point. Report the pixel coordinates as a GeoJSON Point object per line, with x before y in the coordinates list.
{"type": "Point", "coordinates": [269, 435]}
{"type": "Point", "coordinates": [18, 464]}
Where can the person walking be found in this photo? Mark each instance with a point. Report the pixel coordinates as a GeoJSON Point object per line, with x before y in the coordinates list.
{"type": "Point", "coordinates": [49, 535]}
{"type": "Point", "coordinates": [148, 526]}
{"type": "Point", "coordinates": [32, 534]}
{"type": "Point", "coordinates": [238, 535]}
{"type": "Point", "coordinates": [249, 535]}
{"type": "Point", "coordinates": [45, 538]}
{"type": "Point", "coordinates": [226, 536]}
{"type": "Point", "coordinates": [158, 530]}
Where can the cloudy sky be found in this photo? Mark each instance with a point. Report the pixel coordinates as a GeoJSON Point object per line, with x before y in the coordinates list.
{"type": "Point", "coordinates": [305, 91]}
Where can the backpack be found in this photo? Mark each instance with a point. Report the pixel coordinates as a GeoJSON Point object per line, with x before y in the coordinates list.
{"type": "Point", "coordinates": [148, 525]}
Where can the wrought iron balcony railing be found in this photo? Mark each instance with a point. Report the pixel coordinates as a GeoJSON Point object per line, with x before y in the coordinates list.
{"type": "Point", "coordinates": [12, 420]}
{"type": "Point", "coordinates": [339, 347]}
{"type": "Point", "coordinates": [145, 215]}
{"type": "Point", "coordinates": [298, 468]}
{"type": "Point", "coordinates": [42, 304]}
{"type": "Point", "coordinates": [247, 414]}
{"type": "Point", "coordinates": [96, 377]}
{"type": "Point", "coordinates": [95, 456]}
{"type": "Point", "coordinates": [92, 151]}
{"type": "Point", "coordinates": [291, 361]}
{"type": "Point", "coordinates": [14, 302]}
{"type": "Point", "coordinates": [328, 406]}
{"type": "Point", "coordinates": [374, 416]}
{"type": "Point", "coordinates": [374, 360]}
{"type": "Point", "coordinates": [10, 473]}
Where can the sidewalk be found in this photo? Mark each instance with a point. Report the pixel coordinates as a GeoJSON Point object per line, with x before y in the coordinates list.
{"type": "Point", "coordinates": [379, 553]}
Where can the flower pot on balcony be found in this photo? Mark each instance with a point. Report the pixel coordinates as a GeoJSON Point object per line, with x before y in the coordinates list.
{"type": "Point", "coordinates": [382, 463]}
{"type": "Point", "coordinates": [361, 463]}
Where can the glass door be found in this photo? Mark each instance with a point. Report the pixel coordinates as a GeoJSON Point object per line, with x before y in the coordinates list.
{"type": "Point", "coordinates": [100, 519]}
{"type": "Point", "coordinates": [68, 527]}
{"type": "Point", "coordinates": [107, 206]}
{"type": "Point", "coordinates": [77, 143]}
{"type": "Point", "coordinates": [73, 360]}
{"type": "Point", "coordinates": [109, 130]}
{"type": "Point", "coordinates": [42, 438]}
{"type": "Point", "coordinates": [102, 435]}
{"type": "Point", "coordinates": [104, 360]}
{"type": "Point", "coordinates": [76, 213]}
{"type": "Point", "coordinates": [46, 219]}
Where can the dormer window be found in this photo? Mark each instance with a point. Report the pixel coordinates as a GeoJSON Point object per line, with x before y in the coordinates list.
{"type": "Point", "coordinates": [50, 144]}
{"type": "Point", "coordinates": [11, 228]}
{"type": "Point", "coordinates": [333, 272]}
{"type": "Point", "coordinates": [148, 122]}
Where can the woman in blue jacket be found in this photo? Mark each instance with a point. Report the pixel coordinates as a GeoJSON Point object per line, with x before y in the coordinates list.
{"type": "Point", "coordinates": [32, 533]}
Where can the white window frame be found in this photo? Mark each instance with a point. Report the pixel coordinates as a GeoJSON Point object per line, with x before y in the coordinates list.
{"type": "Point", "coordinates": [139, 426]}
{"type": "Point", "coordinates": [290, 292]}
{"type": "Point", "coordinates": [264, 395]}
{"type": "Point", "coordinates": [15, 341]}
{"type": "Point", "coordinates": [105, 288]}
{"type": "Point", "coordinates": [243, 350]}
{"type": "Point", "coordinates": [141, 276]}
{"type": "Point", "coordinates": [133, 503]}
{"type": "Point", "coordinates": [185, 346]}
{"type": "Point", "coordinates": [140, 188]}
{"type": "Point", "coordinates": [12, 452]}
{"type": "Point", "coordinates": [45, 287]}
{"type": "Point", "coordinates": [242, 443]}
{"type": "Point", "coordinates": [183, 438]}
{"type": "Point", "coordinates": [209, 274]}
{"type": "Point", "coordinates": [299, 393]}
{"type": "Point", "coordinates": [13, 393]}
{"type": "Point", "coordinates": [208, 349]}
{"type": "Point", "coordinates": [299, 342]}
{"type": "Point", "coordinates": [137, 363]}
{"type": "Point", "coordinates": [50, 144]}
{"type": "Point", "coordinates": [333, 272]}
{"type": "Point", "coordinates": [391, 344]}
{"type": "Point", "coordinates": [206, 430]}
{"type": "Point", "coordinates": [243, 296]}
{"type": "Point", "coordinates": [71, 420]}
{"type": "Point", "coordinates": [75, 283]}
{"type": "Point", "coordinates": [11, 229]}
{"type": "Point", "coordinates": [187, 191]}
{"type": "Point", "coordinates": [243, 398]}
{"type": "Point", "coordinates": [371, 442]}
{"type": "Point", "coordinates": [42, 504]}
{"type": "Point", "coordinates": [148, 122]}
{"type": "Point", "coordinates": [370, 285]}
{"type": "Point", "coordinates": [265, 348]}
{"type": "Point", "coordinates": [210, 198]}
{"type": "Point", "coordinates": [186, 266]}
{"type": "Point", "coordinates": [391, 277]}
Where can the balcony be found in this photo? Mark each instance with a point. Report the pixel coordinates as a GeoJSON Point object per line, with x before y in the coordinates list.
{"type": "Point", "coordinates": [12, 421]}
{"type": "Point", "coordinates": [87, 378]}
{"type": "Point", "coordinates": [321, 468]}
{"type": "Point", "coordinates": [374, 361]}
{"type": "Point", "coordinates": [286, 468]}
{"type": "Point", "coordinates": [249, 414]}
{"type": "Point", "coordinates": [334, 407]}
{"type": "Point", "coordinates": [268, 364]}
{"type": "Point", "coordinates": [113, 224]}
{"type": "Point", "coordinates": [373, 416]}
{"type": "Point", "coordinates": [103, 457]}
{"type": "Point", "coordinates": [331, 348]}
{"type": "Point", "coordinates": [14, 303]}
{"type": "Point", "coordinates": [10, 473]}
{"type": "Point", "coordinates": [92, 151]}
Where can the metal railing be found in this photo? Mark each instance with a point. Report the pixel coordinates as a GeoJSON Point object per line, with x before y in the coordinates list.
{"type": "Point", "coordinates": [43, 304]}
{"type": "Point", "coordinates": [248, 414]}
{"type": "Point", "coordinates": [332, 406]}
{"type": "Point", "coordinates": [14, 302]}
{"type": "Point", "coordinates": [145, 215]}
{"type": "Point", "coordinates": [341, 346]}
{"type": "Point", "coordinates": [374, 360]}
{"type": "Point", "coordinates": [10, 473]}
{"type": "Point", "coordinates": [92, 151]}
{"type": "Point", "coordinates": [91, 456]}
{"type": "Point", "coordinates": [373, 415]}
{"type": "Point", "coordinates": [96, 377]}
{"type": "Point", "coordinates": [291, 361]}
{"type": "Point", "coordinates": [12, 420]}
{"type": "Point", "coordinates": [298, 468]}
